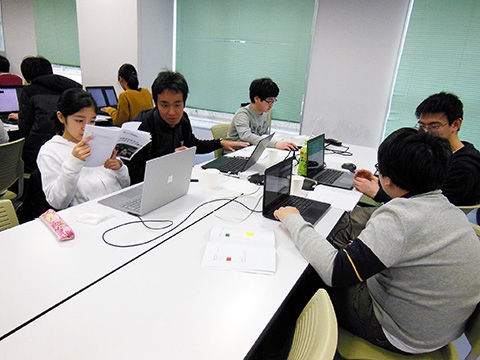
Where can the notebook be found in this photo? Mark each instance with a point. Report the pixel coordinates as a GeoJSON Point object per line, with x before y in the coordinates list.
{"type": "Point", "coordinates": [9, 101]}
{"type": "Point", "coordinates": [166, 178]}
{"type": "Point", "coordinates": [104, 96]}
{"type": "Point", "coordinates": [317, 169]}
{"type": "Point", "coordinates": [276, 193]}
{"type": "Point", "coordinates": [237, 164]}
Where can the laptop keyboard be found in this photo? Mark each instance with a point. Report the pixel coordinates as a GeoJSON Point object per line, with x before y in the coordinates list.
{"type": "Point", "coordinates": [234, 165]}
{"type": "Point", "coordinates": [328, 176]}
{"type": "Point", "coordinates": [299, 202]}
{"type": "Point", "coordinates": [134, 204]}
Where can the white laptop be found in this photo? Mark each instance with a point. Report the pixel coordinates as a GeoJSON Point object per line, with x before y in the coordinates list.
{"type": "Point", "coordinates": [166, 178]}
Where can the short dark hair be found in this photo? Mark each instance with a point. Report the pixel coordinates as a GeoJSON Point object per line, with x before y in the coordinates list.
{"type": "Point", "coordinates": [414, 161]}
{"type": "Point", "coordinates": [263, 88]}
{"type": "Point", "coordinates": [4, 64]}
{"type": "Point", "coordinates": [446, 103]}
{"type": "Point", "coordinates": [129, 74]}
{"type": "Point", "coordinates": [33, 66]}
{"type": "Point", "coordinates": [169, 80]}
{"type": "Point", "coordinates": [71, 101]}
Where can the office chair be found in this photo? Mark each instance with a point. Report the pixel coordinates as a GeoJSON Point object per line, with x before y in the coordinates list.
{"type": "Point", "coordinates": [34, 201]}
{"type": "Point", "coordinates": [11, 168]}
{"type": "Point", "coordinates": [472, 332]}
{"type": "Point", "coordinates": [353, 347]}
{"type": "Point", "coordinates": [8, 217]}
{"type": "Point", "coordinates": [315, 334]}
{"type": "Point", "coordinates": [219, 131]}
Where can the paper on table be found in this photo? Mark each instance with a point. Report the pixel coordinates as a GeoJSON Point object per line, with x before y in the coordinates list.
{"type": "Point", "coordinates": [106, 138]}
{"type": "Point", "coordinates": [338, 198]}
{"type": "Point", "coordinates": [241, 249]}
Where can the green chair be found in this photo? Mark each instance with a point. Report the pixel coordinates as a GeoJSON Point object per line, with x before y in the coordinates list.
{"type": "Point", "coordinates": [11, 168]}
{"type": "Point", "coordinates": [8, 216]}
{"type": "Point", "coordinates": [219, 131]}
{"type": "Point", "coordinates": [353, 347]}
{"type": "Point", "coordinates": [315, 334]}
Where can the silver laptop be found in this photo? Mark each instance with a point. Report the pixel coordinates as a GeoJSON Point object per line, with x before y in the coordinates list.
{"type": "Point", "coordinates": [166, 178]}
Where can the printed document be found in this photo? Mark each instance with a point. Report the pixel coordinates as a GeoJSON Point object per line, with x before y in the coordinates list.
{"type": "Point", "coordinates": [241, 249]}
{"type": "Point", "coordinates": [105, 138]}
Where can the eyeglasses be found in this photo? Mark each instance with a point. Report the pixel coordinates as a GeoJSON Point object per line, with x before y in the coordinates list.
{"type": "Point", "coordinates": [270, 102]}
{"type": "Point", "coordinates": [376, 169]}
{"type": "Point", "coordinates": [429, 127]}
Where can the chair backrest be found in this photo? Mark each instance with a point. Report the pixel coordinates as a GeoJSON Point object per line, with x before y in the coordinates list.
{"type": "Point", "coordinates": [8, 217]}
{"type": "Point", "coordinates": [11, 165]}
{"type": "Point", "coordinates": [472, 332]}
{"type": "Point", "coordinates": [316, 330]}
{"type": "Point", "coordinates": [219, 131]}
{"type": "Point", "coordinates": [34, 202]}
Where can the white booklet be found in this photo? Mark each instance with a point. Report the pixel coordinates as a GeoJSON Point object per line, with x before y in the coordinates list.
{"type": "Point", "coordinates": [105, 138]}
{"type": "Point", "coordinates": [241, 249]}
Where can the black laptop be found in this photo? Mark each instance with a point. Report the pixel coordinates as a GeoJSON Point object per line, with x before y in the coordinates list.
{"type": "Point", "coordinates": [9, 101]}
{"type": "Point", "coordinates": [105, 96]}
{"type": "Point", "coordinates": [276, 193]}
{"type": "Point", "coordinates": [317, 169]}
{"type": "Point", "coordinates": [237, 164]}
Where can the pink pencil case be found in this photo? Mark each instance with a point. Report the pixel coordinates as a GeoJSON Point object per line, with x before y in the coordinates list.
{"type": "Point", "coordinates": [57, 225]}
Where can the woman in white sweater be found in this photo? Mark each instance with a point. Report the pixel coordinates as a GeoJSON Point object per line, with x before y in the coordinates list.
{"type": "Point", "coordinates": [65, 179]}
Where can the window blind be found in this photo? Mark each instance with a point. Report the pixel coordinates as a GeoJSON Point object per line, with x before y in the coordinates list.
{"type": "Point", "coordinates": [222, 45]}
{"type": "Point", "coordinates": [56, 31]}
{"type": "Point", "coordinates": [441, 53]}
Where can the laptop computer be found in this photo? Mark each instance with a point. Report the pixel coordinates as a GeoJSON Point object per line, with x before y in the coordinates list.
{"type": "Point", "coordinates": [166, 178]}
{"type": "Point", "coordinates": [9, 101]}
{"type": "Point", "coordinates": [276, 193]}
{"type": "Point", "coordinates": [237, 164]}
{"type": "Point", "coordinates": [104, 96]}
{"type": "Point", "coordinates": [317, 169]}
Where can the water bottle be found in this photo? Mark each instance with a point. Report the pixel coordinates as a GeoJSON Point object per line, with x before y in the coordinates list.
{"type": "Point", "coordinates": [302, 164]}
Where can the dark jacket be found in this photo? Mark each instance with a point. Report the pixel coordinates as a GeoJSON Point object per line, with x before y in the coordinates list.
{"type": "Point", "coordinates": [462, 182]}
{"type": "Point", "coordinates": [165, 140]}
{"type": "Point", "coordinates": [37, 115]}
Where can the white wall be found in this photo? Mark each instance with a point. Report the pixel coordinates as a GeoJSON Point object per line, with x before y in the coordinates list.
{"type": "Point", "coordinates": [352, 68]}
{"type": "Point", "coordinates": [19, 31]}
{"type": "Point", "coordinates": [107, 37]}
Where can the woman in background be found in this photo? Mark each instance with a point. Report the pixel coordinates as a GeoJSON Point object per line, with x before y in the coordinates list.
{"type": "Point", "coordinates": [132, 100]}
{"type": "Point", "coordinates": [65, 179]}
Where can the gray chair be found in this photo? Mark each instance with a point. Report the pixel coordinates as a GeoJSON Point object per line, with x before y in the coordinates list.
{"type": "Point", "coordinates": [11, 168]}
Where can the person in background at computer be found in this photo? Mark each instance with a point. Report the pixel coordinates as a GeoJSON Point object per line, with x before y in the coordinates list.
{"type": "Point", "coordinates": [6, 78]}
{"type": "Point", "coordinates": [131, 101]}
{"type": "Point", "coordinates": [38, 106]}
{"type": "Point", "coordinates": [251, 122]}
{"type": "Point", "coordinates": [441, 115]}
{"type": "Point", "coordinates": [405, 283]}
{"type": "Point", "coordinates": [170, 126]}
{"type": "Point", "coordinates": [65, 179]}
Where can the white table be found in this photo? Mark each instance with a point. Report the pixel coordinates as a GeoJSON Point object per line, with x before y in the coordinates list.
{"type": "Point", "coordinates": [164, 304]}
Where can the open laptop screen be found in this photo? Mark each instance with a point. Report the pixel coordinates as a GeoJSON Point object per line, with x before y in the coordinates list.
{"type": "Point", "coordinates": [111, 96]}
{"type": "Point", "coordinates": [97, 94]}
{"type": "Point", "coordinates": [277, 182]}
{"type": "Point", "coordinates": [315, 155]}
{"type": "Point", "coordinates": [8, 100]}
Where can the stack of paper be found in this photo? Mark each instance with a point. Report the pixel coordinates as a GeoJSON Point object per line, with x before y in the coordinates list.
{"type": "Point", "coordinates": [241, 249]}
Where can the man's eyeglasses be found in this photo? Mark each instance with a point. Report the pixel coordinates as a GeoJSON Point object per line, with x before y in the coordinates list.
{"type": "Point", "coordinates": [270, 102]}
{"type": "Point", "coordinates": [429, 127]}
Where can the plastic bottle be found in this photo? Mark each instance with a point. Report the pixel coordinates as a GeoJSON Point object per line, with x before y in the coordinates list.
{"type": "Point", "coordinates": [302, 163]}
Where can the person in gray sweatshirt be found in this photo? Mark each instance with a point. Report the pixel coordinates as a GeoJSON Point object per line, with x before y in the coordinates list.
{"type": "Point", "coordinates": [406, 282]}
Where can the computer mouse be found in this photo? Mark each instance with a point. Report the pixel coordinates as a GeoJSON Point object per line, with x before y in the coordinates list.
{"type": "Point", "coordinates": [349, 166]}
